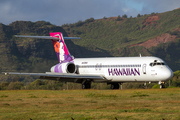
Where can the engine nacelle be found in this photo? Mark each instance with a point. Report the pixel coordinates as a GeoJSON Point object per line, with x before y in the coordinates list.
{"type": "Point", "coordinates": [68, 67]}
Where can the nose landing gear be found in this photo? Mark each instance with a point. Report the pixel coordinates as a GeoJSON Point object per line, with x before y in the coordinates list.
{"type": "Point", "coordinates": [161, 84]}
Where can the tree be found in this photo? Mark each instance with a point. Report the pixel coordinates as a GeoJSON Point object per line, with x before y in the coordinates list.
{"type": "Point", "coordinates": [35, 85]}
{"type": "Point", "coordinates": [153, 13]}
{"type": "Point", "coordinates": [118, 18]}
{"type": "Point", "coordinates": [138, 15]}
{"type": "Point", "coordinates": [124, 16]}
{"type": "Point", "coordinates": [4, 85]}
{"type": "Point", "coordinates": [125, 40]}
{"type": "Point", "coordinates": [104, 17]}
{"type": "Point", "coordinates": [89, 20]}
{"type": "Point", "coordinates": [79, 23]}
{"type": "Point", "coordinates": [15, 86]}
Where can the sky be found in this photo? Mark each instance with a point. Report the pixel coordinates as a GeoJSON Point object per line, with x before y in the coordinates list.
{"type": "Point", "coordinates": [59, 12]}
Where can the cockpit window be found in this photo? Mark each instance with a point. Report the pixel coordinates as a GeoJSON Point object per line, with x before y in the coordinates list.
{"type": "Point", "coordinates": [157, 63]}
{"type": "Point", "coordinates": [151, 64]}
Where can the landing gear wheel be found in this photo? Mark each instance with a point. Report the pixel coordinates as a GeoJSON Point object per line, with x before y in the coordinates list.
{"type": "Point", "coordinates": [86, 85]}
{"type": "Point", "coordinates": [115, 86]}
{"type": "Point", "coordinates": [162, 85]}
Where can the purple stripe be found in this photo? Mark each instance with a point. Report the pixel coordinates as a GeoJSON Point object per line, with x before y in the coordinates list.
{"type": "Point", "coordinates": [58, 68]}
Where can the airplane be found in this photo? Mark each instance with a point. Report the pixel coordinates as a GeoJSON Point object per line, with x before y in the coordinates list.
{"type": "Point", "coordinates": [110, 70]}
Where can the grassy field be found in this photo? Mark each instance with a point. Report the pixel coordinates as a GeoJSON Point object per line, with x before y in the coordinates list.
{"type": "Point", "coordinates": [134, 104]}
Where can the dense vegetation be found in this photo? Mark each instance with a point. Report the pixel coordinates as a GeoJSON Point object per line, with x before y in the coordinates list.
{"type": "Point", "coordinates": [115, 36]}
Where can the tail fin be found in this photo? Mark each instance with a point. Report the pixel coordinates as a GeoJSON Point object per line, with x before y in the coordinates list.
{"type": "Point", "coordinates": [59, 45]}
{"type": "Point", "coordinates": [61, 48]}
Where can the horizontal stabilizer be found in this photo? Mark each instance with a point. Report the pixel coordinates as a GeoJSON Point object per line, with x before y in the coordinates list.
{"type": "Point", "coordinates": [46, 37]}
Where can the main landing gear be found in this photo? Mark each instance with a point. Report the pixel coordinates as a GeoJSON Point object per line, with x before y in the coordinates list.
{"type": "Point", "coordinates": [86, 85]}
{"type": "Point", "coordinates": [114, 86]}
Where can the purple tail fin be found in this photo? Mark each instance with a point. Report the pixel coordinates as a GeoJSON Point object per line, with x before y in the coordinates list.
{"type": "Point", "coordinates": [60, 48]}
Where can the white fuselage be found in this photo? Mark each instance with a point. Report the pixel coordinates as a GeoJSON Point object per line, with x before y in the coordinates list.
{"type": "Point", "coordinates": [125, 69]}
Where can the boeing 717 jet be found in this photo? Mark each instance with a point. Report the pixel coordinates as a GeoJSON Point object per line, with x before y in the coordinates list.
{"type": "Point", "coordinates": [111, 70]}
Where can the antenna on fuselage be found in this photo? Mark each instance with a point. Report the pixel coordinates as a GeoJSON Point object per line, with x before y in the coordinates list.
{"type": "Point", "coordinates": [139, 54]}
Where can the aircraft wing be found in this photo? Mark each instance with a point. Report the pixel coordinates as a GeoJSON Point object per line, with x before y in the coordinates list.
{"type": "Point", "coordinates": [62, 76]}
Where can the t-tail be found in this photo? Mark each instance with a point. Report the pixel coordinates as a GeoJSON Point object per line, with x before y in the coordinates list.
{"type": "Point", "coordinates": [60, 47]}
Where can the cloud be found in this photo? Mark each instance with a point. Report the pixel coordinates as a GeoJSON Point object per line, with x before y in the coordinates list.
{"type": "Point", "coordinates": [60, 12]}
{"type": "Point", "coordinates": [159, 6]}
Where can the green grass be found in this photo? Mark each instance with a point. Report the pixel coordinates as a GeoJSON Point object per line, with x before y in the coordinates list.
{"type": "Point", "coordinates": [91, 104]}
{"type": "Point", "coordinates": [95, 95]}
{"type": "Point", "coordinates": [3, 96]}
{"type": "Point", "coordinates": [139, 94]}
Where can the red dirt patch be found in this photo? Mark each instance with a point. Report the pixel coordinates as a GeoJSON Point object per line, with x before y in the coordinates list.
{"type": "Point", "coordinates": [177, 29]}
{"type": "Point", "coordinates": [157, 40]}
{"type": "Point", "coordinates": [112, 18]}
{"type": "Point", "coordinates": [151, 19]}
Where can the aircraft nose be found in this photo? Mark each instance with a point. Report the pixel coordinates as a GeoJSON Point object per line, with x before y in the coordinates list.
{"type": "Point", "coordinates": [168, 74]}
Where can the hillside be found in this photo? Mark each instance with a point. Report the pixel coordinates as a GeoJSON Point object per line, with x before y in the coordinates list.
{"type": "Point", "coordinates": [125, 32]}
{"type": "Point", "coordinates": [154, 34]}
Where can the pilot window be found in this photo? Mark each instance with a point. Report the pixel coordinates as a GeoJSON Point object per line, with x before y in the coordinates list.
{"type": "Point", "coordinates": [151, 64]}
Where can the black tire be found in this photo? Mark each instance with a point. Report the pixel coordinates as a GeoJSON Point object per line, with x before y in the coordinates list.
{"type": "Point", "coordinates": [86, 85]}
{"type": "Point", "coordinates": [117, 85]}
{"type": "Point", "coordinates": [83, 86]}
{"type": "Point", "coordinates": [114, 86]}
{"type": "Point", "coordinates": [89, 86]}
